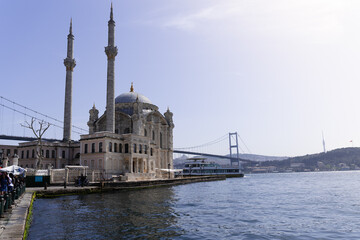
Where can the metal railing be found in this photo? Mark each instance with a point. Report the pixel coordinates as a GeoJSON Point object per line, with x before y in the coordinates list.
{"type": "Point", "coordinates": [8, 199]}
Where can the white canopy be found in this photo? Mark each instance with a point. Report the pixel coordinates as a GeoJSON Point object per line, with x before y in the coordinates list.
{"type": "Point", "coordinates": [16, 170]}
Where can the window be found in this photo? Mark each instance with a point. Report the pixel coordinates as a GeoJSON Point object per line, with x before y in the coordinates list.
{"type": "Point", "coordinates": [110, 147]}
{"type": "Point", "coordinates": [100, 164]}
{"type": "Point", "coordinates": [33, 153]}
{"type": "Point", "coordinates": [115, 147]}
{"type": "Point", "coordinates": [116, 131]}
{"type": "Point", "coordinates": [22, 154]}
{"type": "Point", "coordinates": [140, 148]}
{"type": "Point", "coordinates": [134, 148]}
{"type": "Point", "coordinates": [47, 154]}
{"type": "Point", "coordinates": [126, 148]}
{"type": "Point", "coordinates": [120, 148]}
{"type": "Point", "coordinates": [151, 151]}
{"type": "Point", "coordinates": [100, 146]}
{"type": "Point", "coordinates": [53, 155]}
{"type": "Point", "coordinates": [15, 151]}
{"type": "Point", "coordinates": [85, 162]}
{"type": "Point", "coordinates": [93, 147]}
{"type": "Point", "coordinates": [26, 165]}
{"type": "Point", "coordinates": [8, 152]}
{"type": "Point", "coordinates": [145, 149]}
{"type": "Point", "coordinates": [42, 153]}
{"type": "Point", "coordinates": [145, 132]}
{"type": "Point", "coordinates": [85, 148]}
{"type": "Point", "coordinates": [63, 154]}
{"type": "Point", "coordinates": [127, 130]}
{"type": "Point", "coordinates": [92, 164]}
{"type": "Point", "coordinates": [161, 140]}
{"type": "Point", "coordinates": [32, 165]}
{"type": "Point", "coordinates": [153, 135]}
{"type": "Point", "coordinates": [27, 153]}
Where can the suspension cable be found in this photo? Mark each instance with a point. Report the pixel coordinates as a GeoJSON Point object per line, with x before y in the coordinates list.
{"type": "Point", "coordinates": [44, 115]}
{"type": "Point", "coordinates": [244, 144]}
{"type": "Point", "coordinates": [222, 138]}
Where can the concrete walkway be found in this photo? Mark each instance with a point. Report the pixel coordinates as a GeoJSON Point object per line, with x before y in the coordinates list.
{"type": "Point", "coordinates": [13, 225]}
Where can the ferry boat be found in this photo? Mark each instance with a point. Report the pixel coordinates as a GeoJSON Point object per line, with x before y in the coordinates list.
{"type": "Point", "coordinates": [198, 166]}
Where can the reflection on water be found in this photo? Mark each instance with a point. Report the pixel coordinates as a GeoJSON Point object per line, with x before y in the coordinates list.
{"type": "Point", "coordinates": [265, 206]}
{"type": "Point", "coordinates": [128, 214]}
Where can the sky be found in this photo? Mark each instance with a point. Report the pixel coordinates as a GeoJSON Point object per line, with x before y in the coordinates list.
{"type": "Point", "coordinates": [277, 72]}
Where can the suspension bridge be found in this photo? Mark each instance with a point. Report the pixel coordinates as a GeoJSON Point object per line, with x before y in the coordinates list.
{"type": "Point", "coordinates": [13, 114]}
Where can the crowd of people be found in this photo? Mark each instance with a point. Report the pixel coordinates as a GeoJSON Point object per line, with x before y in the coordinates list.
{"type": "Point", "coordinates": [8, 182]}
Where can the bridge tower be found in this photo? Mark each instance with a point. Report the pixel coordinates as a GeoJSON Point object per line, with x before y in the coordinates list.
{"type": "Point", "coordinates": [235, 146]}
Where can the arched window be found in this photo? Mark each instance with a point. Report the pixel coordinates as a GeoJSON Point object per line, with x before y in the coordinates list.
{"type": "Point", "coordinates": [92, 164]}
{"type": "Point", "coordinates": [100, 164]}
{"type": "Point", "coordinates": [120, 148]}
{"type": "Point", "coordinates": [93, 147]}
{"type": "Point", "coordinates": [115, 147]}
{"type": "Point", "coordinates": [47, 154]}
{"type": "Point", "coordinates": [100, 146]}
{"type": "Point", "coordinates": [110, 147]}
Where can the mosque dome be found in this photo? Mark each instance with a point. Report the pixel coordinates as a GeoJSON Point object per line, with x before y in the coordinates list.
{"type": "Point", "coordinates": [130, 97]}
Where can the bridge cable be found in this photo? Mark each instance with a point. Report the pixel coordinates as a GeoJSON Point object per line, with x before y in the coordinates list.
{"type": "Point", "coordinates": [244, 144]}
{"type": "Point", "coordinates": [220, 139]}
{"type": "Point", "coordinates": [44, 115]}
{"type": "Point", "coordinates": [53, 124]}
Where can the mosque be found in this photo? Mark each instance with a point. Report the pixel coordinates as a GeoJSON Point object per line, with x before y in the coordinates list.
{"type": "Point", "coordinates": [132, 140]}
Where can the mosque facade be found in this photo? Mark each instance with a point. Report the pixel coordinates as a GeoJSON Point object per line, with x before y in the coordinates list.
{"type": "Point", "coordinates": [132, 140]}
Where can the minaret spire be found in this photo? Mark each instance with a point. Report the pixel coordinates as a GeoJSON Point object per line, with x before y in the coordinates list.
{"type": "Point", "coordinates": [111, 12]}
{"type": "Point", "coordinates": [70, 30]}
{"type": "Point", "coordinates": [69, 63]}
{"type": "Point", "coordinates": [111, 52]}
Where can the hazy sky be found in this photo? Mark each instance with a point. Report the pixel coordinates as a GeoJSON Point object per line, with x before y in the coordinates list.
{"type": "Point", "coordinates": [277, 72]}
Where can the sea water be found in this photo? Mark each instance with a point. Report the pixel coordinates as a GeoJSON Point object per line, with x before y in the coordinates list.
{"type": "Point", "coordinates": [316, 205]}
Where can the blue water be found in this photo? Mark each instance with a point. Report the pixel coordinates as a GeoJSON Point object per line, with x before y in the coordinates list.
{"type": "Point", "coordinates": [323, 205]}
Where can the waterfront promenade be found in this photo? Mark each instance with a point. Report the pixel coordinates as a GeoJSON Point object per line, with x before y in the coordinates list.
{"type": "Point", "coordinates": [13, 225]}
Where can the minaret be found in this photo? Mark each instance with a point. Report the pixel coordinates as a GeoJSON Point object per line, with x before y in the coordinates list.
{"type": "Point", "coordinates": [111, 52]}
{"type": "Point", "coordinates": [69, 63]}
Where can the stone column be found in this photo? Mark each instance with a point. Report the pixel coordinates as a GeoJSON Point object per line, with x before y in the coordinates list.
{"type": "Point", "coordinates": [69, 63]}
{"type": "Point", "coordinates": [111, 52]}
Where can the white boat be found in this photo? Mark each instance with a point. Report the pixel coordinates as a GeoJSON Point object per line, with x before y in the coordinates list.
{"type": "Point", "coordinates": [198, 166]}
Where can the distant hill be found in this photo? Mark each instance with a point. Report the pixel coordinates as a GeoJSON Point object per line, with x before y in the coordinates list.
{"type": "Point", "coordinates": [338, 159]}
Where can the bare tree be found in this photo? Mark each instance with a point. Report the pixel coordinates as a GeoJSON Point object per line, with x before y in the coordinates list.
{"type": "Point", "coordinates": [43, 126]}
